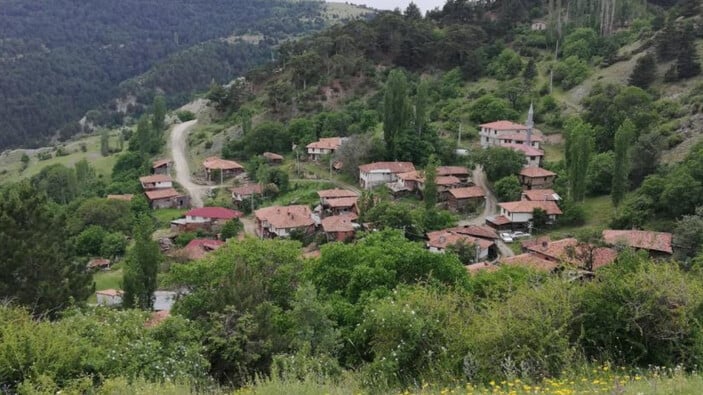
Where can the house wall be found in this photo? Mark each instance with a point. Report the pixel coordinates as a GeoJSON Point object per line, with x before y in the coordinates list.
{"type": "Point", "coordinates": [537, 182]}
{"type": "Point", "coordinates": [533, 161]}
{"type": "Point", "coordinates": [491, 137]}
{"type": "Point", "coordinates": [341, 236]}
{"type": "Point", "coordinates": [516, 217]}
{"type": "Point", "coordinates": [161, 170]}
{"type": "Point", "coordinates": [108, 300]}
{"type": "Point", "coordinates": [374, 179]}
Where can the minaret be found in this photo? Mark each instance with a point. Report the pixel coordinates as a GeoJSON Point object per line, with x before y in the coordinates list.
{"type": "Point", "coordinates": [530, 124]}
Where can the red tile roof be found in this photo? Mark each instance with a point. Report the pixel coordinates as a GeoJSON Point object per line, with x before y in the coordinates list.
{"type": "Point", "coordinates": [338, 223]}
{"type": "Point", "coordinates": [157, 318]}
{"type": "Point", "coordinates": [499, 220]}
{"type": "Point", "coordinates": [540, 194]}
{"type": "Point", "coordinates": [98, 262]}
{"type": "Point", "coordinates": [483, 232]}
{"type": "Point", "coordinates": [452, 171]}
{"type": "Point", "coordinates": [336, 193]}
{"type": "Point", "coordinates": [559, 251]}
{"type": "Point", "coordinates": [214, 162]}
{"type": "Point", "coordinates": [392, 167]}
{"type": "Point", "coordinates": [154, 178]}
{"type": "Point", "coordinates": [528, 206]}
{"type": "Point", "coordinates": [530, 260]}
{"type": "Point", "coordinates": [286, 217]}
{"type": "Point", "coordinates": [248, 189]}
{"type": "Point", "coordinates": [110, 292]}
{"type": "Point", "coordinates": [331, 143]}
{"type": "Point", "coordinates": [160, 163]}
{"type": "Point", "coordinates": [214, 213]}
{"type": "Point", "coordinates": [468, 192]}
{"type": "Point", "coordinates": [533, 172]}
{"type": "Point", "coordinates": [442, 238]}
{"type": "Point", "coordinates": [198, 248]}
{"type": "Point", "coordinates": [503, 125]}
{"type": "Point", "coordinates": [447, 180]}
{"type": "Point", "coordinates": [161, 194]}
{"type": "Point", "coordinates": [646, 240]}
{"type": "Point", "coordinates": [126, 197]}
{"type": "Point", "coordinates": [481, 267]}
{"type": "Point", "coordinates": [524, 148]}
{"type": "Point", "coordinates": [411, 176]}
{"type": "Point", "coordinates": [342, 202]}
{"type": "Point", "coordinates": [272, 156]}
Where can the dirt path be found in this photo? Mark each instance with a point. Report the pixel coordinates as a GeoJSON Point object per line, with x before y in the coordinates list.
{"type": "Point", "coordinates": [179, 153]}
{"type": "Point", "coordinates": [249, 226]}
{"type": "Point", "coordinates": [489, 209]}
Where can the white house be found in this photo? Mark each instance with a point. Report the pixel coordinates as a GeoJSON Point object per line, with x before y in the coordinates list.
{"type": "Point", "coordinates": [491, 132]}
{"type": "Point", "coordinates": [533, 156]}
{"type": "Point", "coordinates": [324, 146]}
{"type": "Point", "coordinates": [379, 173]}
{"type": "Point", "coordinates": [521, 212]}
{"type": "Point", "coordinates": [156, 181]}
{"type": "Point", "coordinates": [109, 297]}
{"type": "Point", "coordinates": [438, 242]}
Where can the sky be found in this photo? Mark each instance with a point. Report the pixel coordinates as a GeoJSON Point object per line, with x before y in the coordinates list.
{"type": "Point", "coordinates": [402, 4]}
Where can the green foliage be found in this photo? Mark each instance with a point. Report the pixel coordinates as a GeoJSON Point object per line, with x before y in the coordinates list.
{"type": "Point", "coordinates": [90, 241]}
{"type": "Point", "coordinates": [621, 169]}
{"type": "Point", "coordinates": [507, 65]}
{"type": "Point", "coordinates": [109, 214]}
{"type": "Point", "coordinates": [579, 136]}
{"type": "Point", "coordinates": [185, 115]}
{"type": "Point", "coordinates": [231, 229]}
{"type": "Point", "coordinates": [508, 189]}
{"type": "Point", "coordinates": [58, 182]}
{"type": "Point", "coordinates": [267, 136]}
{"type": "Point", "coordinates": [499, 162]}
{"type": "Point", "coordinates": [184, 238]}
{"type": "Point", "coordinates": [302, 131]}
{"type": "Point", "coordinates": [429, 194]}
{"type": "Point", "coordinates": [570, 72]}
{"type": "Point", "coordinates": [581, 43]}
{"type": "Point", "coordinates": [644, 72]}
{"type": "Point", "coordinates": [37, 267]}
{"type": "Point", "coordinates": [113, 245]}
{"type": "Point", "coordinates": [141, 267]}
{"type": "Point", "coordinates": [158, 117]}
{"type": "Point", "coordinates": [488, 108]}
{"type": "Point", "coordinates": [688, 235]}
{"type": "Point", "coordinates": [466, 252]}
{"type": "Point", "coordinates": [599, 178]}
{"type": "Point", "coordinates": [396, 110]}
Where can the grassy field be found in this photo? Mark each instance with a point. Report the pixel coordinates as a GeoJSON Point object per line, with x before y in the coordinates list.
{"type": "Point", "coordinates": [302, 192]}
{"type": "Point", "coordinates": [599, 211]}
{"type": "Point", "coordinates": [335, 11]}
{"type": "Point", "coordinates": [164, 216]}
{"type": "Point", "coordinates": [109, 279]}
{"type": "Point", "coordinates": [10, 164]}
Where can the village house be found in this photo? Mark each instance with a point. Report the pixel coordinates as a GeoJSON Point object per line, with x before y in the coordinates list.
{"type": "Point", "coordinates": [520, 139]}
{"type": "Point", "coordinates": [226, 168]}
{"type": "Point", "coordinates": [517, 215]}
{"type": "Point", "coordinates": [374, 174]}
{"type": "Point", "coordinates": [538, 25]}
{"type": "Point", "coordinates": [570, 251]}
{"type": "Point", "coordinates": [199, 248]}
{"type": "Point", "coordinates": [479, 231]}
{"type": "Point", "coordinates": [272, 158]}
{"type": "Point", "coordinates": [205, 218]}
{"type": "Point", "coordinates": [339, 227]}
{"type": "Point", "coordinates": [530, 260]}
{"type": "Point", "coordinates": [540, 194]}
{"type": "Point", "coordinates": [156, 181]}
{"type": "Point", "coordinates": [98, 263]}
{"type": "Point", "coordinates": [324, 146]}
{"type": "Point", "coordinates": [342, 206]}
{"type": "Point", "coordinates": [465, 199]}
{"type": "Point", "coordinates": [329, 194]}
{"type": "Point", "coordinates": [460, 172]}
{"type": "Point", "coordinates": [406, 182]}
{"type": "Point", "coordinates": [109, 297]}
{"type": "Point", "coordinates": [481, 267]}
{"type": "Point", "coordinates": [491, 132]}
{"type": "Point", "coordinates": [438, 242]}
{"type": "Point", "coordinates": [167, 198]}
{"type": "Point", "coordinates": [536, 178]}
{"type": "Point", "coordinates": [280, 221]}
{"type": "Point", "coordinates": [444, 185]}
{"type": "Point", "coordinates": [242, 195]}
{"type": "Point", "coordinates": [657, 244]}
{"type": "Point", "coordinates": [162, 166]}
{"type": "Point", "coordinates": [125, 197]}
{"type": "Point", "coordinates": [533, 156]}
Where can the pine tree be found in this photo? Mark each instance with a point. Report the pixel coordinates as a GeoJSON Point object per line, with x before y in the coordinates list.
{"type": "Point", "coordinates": [396, 109]}
{"type": "Point", "coordinates": [38, 269]}
{"type": "Point", "coordinates": [141, 267]}
{"type": "Point", "coordinates": [624, 138]}
{"type": "Point", "coordinates": [158, 120]}
{"type": "Point", "coordinates": [413, 12]}
{"type": "Point", "coordinates": [530, 71]}
{"type": "Point", "coordinates": [104, 143]}
{"type": "Point", "coordinates": [430, 192]}
{"type": "Point", "coordinates": [687, 64]}
{"type": "Point", "coordinates": [644, 72]}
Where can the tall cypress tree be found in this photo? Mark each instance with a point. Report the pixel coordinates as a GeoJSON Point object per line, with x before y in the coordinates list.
{"type": "Point", "coordinates": [141, 267]}
{"type": "Point", "coordinates": [158, 120]}
{"type": "Point", "coordinates": [421, 108]}
{"type": "Point", "coordinates": [580, 146]}
{"type": "Point", "coordinates": [430, 192]}
{"type": "Point", "coordinates": [621, 171]}
{"type": "Point", "coordinates": [396, 111]}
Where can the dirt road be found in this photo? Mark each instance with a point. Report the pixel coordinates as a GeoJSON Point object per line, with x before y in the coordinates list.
{"type": "Point", "coordinates": [179, 153]}
{"type": "Point", "coordinates": [490, 208]}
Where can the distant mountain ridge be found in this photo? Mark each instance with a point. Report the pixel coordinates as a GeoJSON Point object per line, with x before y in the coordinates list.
{"type": "Point", "coordinates": [61, 58]}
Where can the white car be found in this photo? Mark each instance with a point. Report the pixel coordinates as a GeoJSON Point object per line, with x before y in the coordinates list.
{"type": "Point", "coordinates": [520, 235]}
{"type": "Point", "coordinates": [506, 237]}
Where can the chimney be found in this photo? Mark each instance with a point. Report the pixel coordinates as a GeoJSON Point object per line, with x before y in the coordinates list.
{"type": "Point", "coordinates": [530, 124]}
{"type": "Point", "coordinates": [545, 244]}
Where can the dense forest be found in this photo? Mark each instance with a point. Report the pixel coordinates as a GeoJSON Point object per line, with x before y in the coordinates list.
{"type": "Point", "coordinates": [59, 59]}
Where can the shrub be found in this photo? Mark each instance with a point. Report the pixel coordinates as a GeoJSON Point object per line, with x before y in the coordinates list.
{"type": "Point", "coordinates": [185, 115]}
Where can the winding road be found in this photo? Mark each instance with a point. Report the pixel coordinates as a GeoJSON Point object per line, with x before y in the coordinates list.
{"type": "Point", "coordinates": [179, 153]}
{"type": "Point", "coordinates": [489, 209]}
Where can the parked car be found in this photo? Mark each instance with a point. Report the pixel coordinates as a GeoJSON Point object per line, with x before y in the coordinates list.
{"type": "Point", "coordinates": [520, 235]}
{"type": "Point", "coordinates": [506, 237]}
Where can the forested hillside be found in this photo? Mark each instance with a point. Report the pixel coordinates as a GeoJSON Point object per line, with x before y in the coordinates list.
{"type": "Point", "coordinates": [59, 59]}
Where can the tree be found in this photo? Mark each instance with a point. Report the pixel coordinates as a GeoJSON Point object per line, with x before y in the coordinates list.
{"type": "Point", "coordinates": [624, 138]}
{"type": "Point", "coordinates": [508, 189]}
{"type": "Point", "coordinates": [141, 267]}
{"type": "Point", "coordinates": [158, 119]}
{"type": "Point", "coordinates": [396, 110]}
{"type": "Point", "coordinates": [530, 71]}
{"type": "Point", "coordinates": [302, 131]}
{"type": "Point", "coordinates": [688, 235]}
{"type": "Point", "coordinates": [687, 64]}
{"type": "Point", "coordinates": [421, 106]}
{"type": "Point", "coordinates": [37, 267]}
{"type": "Point", "coordinates": [429, 194]}
{"type": "Point", "coordinates": [25, 160]}
{"type": "Point", "coordinates": [58, 182]}
{"type": "Point", "coordinates": [644, 72]}
{"type": "Point", "coordinates": [104, 142]}
{"type": "Point", "coordinates": [500, 162]}
{"type": "Point", "coordinates": [488, 108]}
{"type": "Point", "coordinates": [231, 228]}
{"type": "Point", "coordinates": [109, 214]}
{"type": "Point", "coordinates": [539, 218]}
{"type": "Point", "coordinates": [412, 12]}
{"type": "Point", "coordinates": [465, 251]}
{"type": "Point", "coordinates": [507, 65]}
{"type": "Point", "coordinates": [89, 242]}
{"type": "Point", "coordinates": [580, 145]}
{"type": "Point", "coordinates": [599, 178]}
{"type": "Point", "coordinates": [113, 245]}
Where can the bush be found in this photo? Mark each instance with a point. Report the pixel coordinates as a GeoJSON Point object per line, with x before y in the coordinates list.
{"type": "Point", "coordinates": [184, 238]}
{"type": "Point", "coordinates": [185, 115]}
